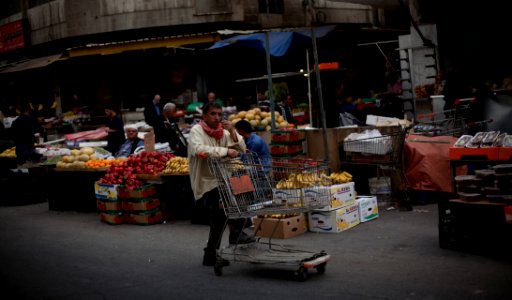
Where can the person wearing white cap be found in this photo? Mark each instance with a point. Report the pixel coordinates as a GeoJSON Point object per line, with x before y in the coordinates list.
{"type": "Point", "coordinates": [132, 141]}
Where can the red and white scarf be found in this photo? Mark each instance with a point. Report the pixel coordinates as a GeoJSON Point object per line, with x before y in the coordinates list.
{"type": "Point", "coordinates": [214, 133]}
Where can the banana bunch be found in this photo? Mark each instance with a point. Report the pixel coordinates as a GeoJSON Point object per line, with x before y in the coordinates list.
{"type": "Point", "coordinates": [278, 216]}
{"type": "Point", "coordinates": [11, 152]}
{"type": "Point", "coordinates": [300, 180]}
{"type": "Point", "coordinates": [176, 165]}
{"type": "Point", "coordinates": [236, 165]}
{"type": "Point", "coordinates": [341, 177]}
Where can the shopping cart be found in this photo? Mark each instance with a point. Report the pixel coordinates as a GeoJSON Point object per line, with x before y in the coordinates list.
{"type": "Point", "coordinates": [383, 151]}
{"type": "Point", "coordinates": [456, 121]}
{"type": "Point", "coordinates": [249, 188]}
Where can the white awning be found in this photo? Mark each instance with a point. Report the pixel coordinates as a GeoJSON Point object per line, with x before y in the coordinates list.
{"type": "Point", "coordinates": [34, 63]}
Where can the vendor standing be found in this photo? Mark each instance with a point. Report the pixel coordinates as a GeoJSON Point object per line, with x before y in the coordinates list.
{"type": "Point", "coordinates": [115, 126]}
{"type": "Point", "coordinates": [24, 130]}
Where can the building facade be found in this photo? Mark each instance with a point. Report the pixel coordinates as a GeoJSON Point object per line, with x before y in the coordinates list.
{"type": "Point", "coordinates": [127, 50]}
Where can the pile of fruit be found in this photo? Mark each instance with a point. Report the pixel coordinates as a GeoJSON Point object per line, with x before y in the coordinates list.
{"type": "Point", "coordinates": [341, 177]}
{"type": "Point", "coordinates": [103, 163]}
{"type": "Point", "coordinates": [260, 120]}
{"type": "Point", "coordinates": [125, 173]}
{"type": "Point", "coordinates": [78, 158]}
{"type": "Point", "coordinates": [300, 180]}
{"type": "Point", "coordinates": [11, 152]}
{"type": "Point", "coordinates": [176, 165]}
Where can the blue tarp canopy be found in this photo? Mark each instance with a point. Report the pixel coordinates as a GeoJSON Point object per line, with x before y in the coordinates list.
{"type": "Point", "coordinates": [280, 41]}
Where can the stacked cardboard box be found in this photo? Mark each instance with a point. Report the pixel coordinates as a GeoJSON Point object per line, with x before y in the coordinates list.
{"type": "Point", "coordinates": [108, 203]}
{"type": "Point", "coordinates": [140, 205]}
{"type": "Point", "coordinates": [340, 215]}
{"type": "Point", "coordinates": [287, 142]}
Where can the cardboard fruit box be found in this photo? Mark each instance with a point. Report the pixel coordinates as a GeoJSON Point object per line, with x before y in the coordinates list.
{"type": "Point", "coordinates": [112, 218]}
{"type": "Point", "coordinates": [140, 204]}
{"type": "Point", "coordinates": [334, 221]}
{"type": "Point", "coordinates": [108, 205]}
{"type": "Point", "coordinates": [144, 218]}
{"type": "Point", "coordinates": [105, 191]}
{"type": "Point", "coordinates": [288, 136]}
{"type": "Point", "coordinates": [368, 208]}
{"type": "Point", "coordinates": [282, 228]}
{"type": "Point", "coordinates": [144, 191]}
{"type": "Point", "coordinates": [340, 195]}
{"type": "Point", "coordinates": [285, 150]}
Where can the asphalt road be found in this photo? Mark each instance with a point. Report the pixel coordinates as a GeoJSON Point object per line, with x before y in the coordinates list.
{"type": "Point", "coordinates": [69, 255]}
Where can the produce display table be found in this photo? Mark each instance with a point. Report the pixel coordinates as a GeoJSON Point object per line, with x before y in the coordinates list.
{"type": "Point", "coordinates": [72, 189]}
{"type": "Point", "coordinates": [21, 186]}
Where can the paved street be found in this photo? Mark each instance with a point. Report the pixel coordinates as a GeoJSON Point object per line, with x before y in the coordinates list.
{"type": "Point", "coordinates": [69, 255]}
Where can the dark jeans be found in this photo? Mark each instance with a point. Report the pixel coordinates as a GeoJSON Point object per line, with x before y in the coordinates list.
{"type": "Point", "coordinates": [218, 219]}
{"type": "Point", "coordinates": [24, 153]}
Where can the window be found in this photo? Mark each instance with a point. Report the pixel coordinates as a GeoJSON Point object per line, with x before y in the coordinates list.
{"type": "Point", "coordinates": [274, 6]}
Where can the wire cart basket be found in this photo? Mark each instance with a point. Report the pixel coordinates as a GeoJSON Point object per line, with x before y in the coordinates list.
{"type": "Point", "coordinates": [456, 121]}
{"type": "Point", "coordinates": [251, 186]}
{"type": "Point", "coordinates": [384, 151]}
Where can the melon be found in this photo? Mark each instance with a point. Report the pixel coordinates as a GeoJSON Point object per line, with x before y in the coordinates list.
{"type": "Point", "coordinates": [249, 116]}
{"type": "Point", "coordinates": [254, 123]}
{"type": "Point", "coordinates": [87, 150]}
{"type": "Point", "coordinates": [241, 114]}
{"type": "Point", "coordinates": [68, 158]}
{"type": "Point", "coordinates": [75, 152]}
{"type": "Point", "coordinates": [83, 157]}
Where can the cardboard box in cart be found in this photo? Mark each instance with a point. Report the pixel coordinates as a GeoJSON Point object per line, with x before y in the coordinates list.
{"type": "Point", "coordinates": [284, 228]}
{"type": "Point", "coordinates": [334, 221]}
{"type": "Point", "coordinates": [340, 195]}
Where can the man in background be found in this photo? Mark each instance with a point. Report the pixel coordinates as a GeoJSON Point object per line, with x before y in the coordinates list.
{"type": "Point", "coordinates": [152, 116]}
{"type": "Point", "coordinates": [23, 131]}
{"type": "Point", "coordinates": [132, 141]}
{"type": "Point", "coordinates": [115, 126]}
{"type": "Point", "coordinates": [172, 132]}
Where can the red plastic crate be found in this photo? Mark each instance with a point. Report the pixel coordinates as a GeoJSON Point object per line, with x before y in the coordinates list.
{"type": "Point", "coordinates": [491, 153]}
{"type": "Point", "coordinates": [505, 153]}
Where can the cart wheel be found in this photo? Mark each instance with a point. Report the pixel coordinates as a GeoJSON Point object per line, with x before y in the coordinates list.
{"type": "Point", "coordinates": [320, 269]}
{"type": "Point", "coordinates": [301, 274]}
{"type": "Point", "coordinates": [217, 269]}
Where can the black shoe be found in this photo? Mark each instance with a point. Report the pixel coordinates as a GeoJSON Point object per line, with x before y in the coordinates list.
{"type": "Point", "coordinates": [210, 258]}
{"type": "Point", "coordinates": [236, 238]}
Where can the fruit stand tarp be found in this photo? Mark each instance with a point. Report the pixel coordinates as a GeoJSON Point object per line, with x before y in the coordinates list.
{"type": "Point", "coordinates": [427, 162]}
{"type": "Point", "coordinates": [88, 135]}
{"type": "Point", "coordinates": [279, 42]}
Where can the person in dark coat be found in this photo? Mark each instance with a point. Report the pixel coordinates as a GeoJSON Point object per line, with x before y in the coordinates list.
{"type": "Point", "coordinates": [23, 131]}
{"type": "Point", "coordinates": [115, 126]}
{"type": "Point", "coordinates": [153, 117]}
